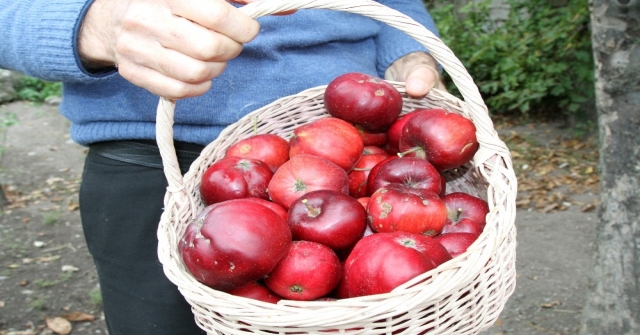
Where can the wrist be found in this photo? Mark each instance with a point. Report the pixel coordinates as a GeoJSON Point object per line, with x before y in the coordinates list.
{"type": "Point", "coordinates": [93, 40]}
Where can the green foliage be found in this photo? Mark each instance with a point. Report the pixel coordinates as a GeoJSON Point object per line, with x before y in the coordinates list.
{"type": "Point", "coordinates": [37, 90]}
{"type": "Point", "coordinates": [539, 58]}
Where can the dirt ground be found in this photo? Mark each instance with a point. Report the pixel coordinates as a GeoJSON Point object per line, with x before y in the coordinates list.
{"type": "Point", "coordinates": [48, 283]}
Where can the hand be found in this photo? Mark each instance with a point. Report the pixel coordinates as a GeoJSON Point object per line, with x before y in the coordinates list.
{"type": "Point", "coordinates": [420, 72]}
{"type": "Point", "coordinates": [173, 48]}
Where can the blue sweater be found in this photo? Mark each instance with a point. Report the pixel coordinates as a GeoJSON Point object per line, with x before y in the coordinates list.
{"type": "Point", "coordinates": [290, 54]}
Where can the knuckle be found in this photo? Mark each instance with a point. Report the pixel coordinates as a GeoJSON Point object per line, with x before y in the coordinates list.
{"type": "Point", "coordinates": [198, 73]}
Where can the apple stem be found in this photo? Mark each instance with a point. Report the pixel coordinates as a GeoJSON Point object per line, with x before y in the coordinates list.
{"type": "Point", "coordinates": [361, 169]}
{"type": "Point", "coordinates": [313, 211]}
{"type": "Point", "coordinates": [414, 149]}
{"type": "Point", "coordinates": [458, 214]}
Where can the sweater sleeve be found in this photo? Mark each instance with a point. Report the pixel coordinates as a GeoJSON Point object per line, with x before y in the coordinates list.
{"type": "Point", "coordinates": [393, 43]}
{"type": "Point", "coordinates": [39, 38]}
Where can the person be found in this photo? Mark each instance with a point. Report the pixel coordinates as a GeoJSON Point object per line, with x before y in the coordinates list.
{"type": "Point", "coordinates": [116, 57]}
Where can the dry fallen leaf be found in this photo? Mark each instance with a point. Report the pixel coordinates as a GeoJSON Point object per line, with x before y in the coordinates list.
{"type": "Point", "coordinates": [551, 304]}
{"type": "Point", "coordinates": [78, 316]}
{"type": "Point", "coordinates": [59, 325]}
{"type": "Point", "coordinates": [73, 206]}
{"type": "Point", "coordinates": [588, 207]}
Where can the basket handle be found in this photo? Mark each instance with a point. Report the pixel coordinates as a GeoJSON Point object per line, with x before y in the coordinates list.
{"type": "Point", "coordinates": [485, 133]}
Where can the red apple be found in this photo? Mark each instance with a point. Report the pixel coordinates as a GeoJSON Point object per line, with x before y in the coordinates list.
{"type": "Point", "coordinates": [308, 271]}
{"type": "Point", "coordinates": [415, 173]}
{"type": "Point", "coordinates": [227, 245]}
{"type": "Point", "coordinates": [372, 137]}
{"type": "Point", "coordinates": [374, 171]}
{"type": "Point", "coordinates": [234, 178]}
{"type": "Point", "coordinates": [328, 217]}
{"type": "Point", "coordinates": [462, 226]}
{"type": "Point", "coordinates": [443, 182]}
{"type": "Point", "coordinates": [257, 291]}
{"type": "Point", "coordinates": [364, 100]}
{"type": "Point", "coordinates": [331, 138]}
{"type": "Point", "coordinates": [400, 208]}
{"type": "Point", "coordinates": [445, 139]}
{"type": "Point", "coordinates": [269, 148]}
{"type": "Point", "coordinates": [271, 205]}
{"type": "Point", "coordinates": [363, 201]}
{"type": "Point", "coordinates": [381, 262]}
{"type": "Point", "coordinates": [304, 173]}
{"type": "Point", "coordinates": [461, 205]}
{"type": "Point", "coordinates": [395, 130]}
{"type": "Point", "coordinates": [456, 243]}
{"type": "Point", "coordinates": [358, 185]}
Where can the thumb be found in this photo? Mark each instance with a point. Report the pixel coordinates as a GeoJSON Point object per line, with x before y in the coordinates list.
{"type": "Point", "coordinates": [421, 79]}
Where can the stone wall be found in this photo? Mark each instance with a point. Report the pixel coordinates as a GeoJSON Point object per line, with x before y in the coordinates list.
{"type": "Point", "coordinates": [8, 80]}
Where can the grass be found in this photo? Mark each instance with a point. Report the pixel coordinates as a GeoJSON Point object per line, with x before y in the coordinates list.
{"type": "Point", "coordinates": [46, 283]}
{"type": "Point", "coordinates": [38, 304]}
{"type": "Point", "coordinates": [50, 218]}
{"type": "Point", "coordinates": [95, 296]}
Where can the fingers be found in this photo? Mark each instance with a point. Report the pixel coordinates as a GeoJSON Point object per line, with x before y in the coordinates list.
{"type": "Point", "coordinates": [419, 72]}
{"type": "Point", "coordinates": [174, 48]}
{"type": "Point", "coordinates": [198, 42]}
{"type": "Point", "coordinates": [178, 75]}
{"type": "Point", "coordinates": [218, 16]}
{"type": "Point", "coordinates": [160, 84]}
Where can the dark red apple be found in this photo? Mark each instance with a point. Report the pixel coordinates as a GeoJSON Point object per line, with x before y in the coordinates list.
{"type": "Point", "coordinates": [308, 271]}
{"type": "Point", "coordinates": [331, 138]}
{"type": "Point", "coordinates": [445, 139]}
{"type": "Point", "coordinates": [233, 178]}
{"type": "Point", "coordinates": [257, 291]}
{"type": "Point", "coordinates": [328, 217]}
{"type": "Point", "coordinates": [234, 242]}
{"type": "Point", "coordinates": [461, 205]}
{"type": "Point", "coordinates": [400, 208]}
{"type": "Point", "coordinates": [415, 173]}
{"type": "Point", "coordinates": [358, 184]}
{"type": "Point", "coordinates": [364, 100]}
{"type": "Point", "coordinates": [456, 243]}
{"type": "Point", "coordinates": [381, 262]}
{"type": "Point", "coordinates": [374, 171]}
{"type": "Point", "coordinates": [269, 148]}
{"type": "Point", "coordinates": [304, 173]}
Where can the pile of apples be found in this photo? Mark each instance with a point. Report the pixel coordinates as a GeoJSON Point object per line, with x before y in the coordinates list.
{"type": "Point", "coordinates": [350, 205]}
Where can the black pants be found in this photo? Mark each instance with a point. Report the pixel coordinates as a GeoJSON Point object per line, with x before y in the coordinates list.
{"type": "Point", "coordinates": [120, 205]}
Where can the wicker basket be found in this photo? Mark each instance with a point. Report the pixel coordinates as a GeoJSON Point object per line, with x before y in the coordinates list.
{"type": "Point", "coordinates": [462, 296]}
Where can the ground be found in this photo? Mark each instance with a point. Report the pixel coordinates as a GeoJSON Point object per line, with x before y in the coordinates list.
{"type": "Point", "coordinates": [48, 284]}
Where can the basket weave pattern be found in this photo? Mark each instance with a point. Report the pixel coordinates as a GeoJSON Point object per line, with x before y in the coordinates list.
{"type": "Point", "coordinates": [462, 296]}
